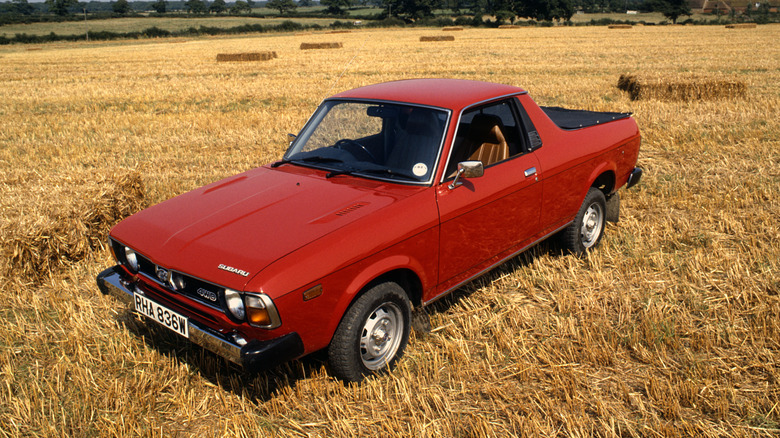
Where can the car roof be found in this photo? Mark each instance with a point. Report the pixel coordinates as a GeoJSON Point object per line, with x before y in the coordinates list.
{"type": "Point", "coordinates": [446, 93]}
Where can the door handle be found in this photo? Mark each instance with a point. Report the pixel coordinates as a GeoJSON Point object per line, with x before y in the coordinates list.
{"type": "Point", "coordinates": [529, 172]}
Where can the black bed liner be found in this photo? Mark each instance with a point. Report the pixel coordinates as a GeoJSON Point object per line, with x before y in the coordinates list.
{"type": "Point", "coordinates": [575, 119]}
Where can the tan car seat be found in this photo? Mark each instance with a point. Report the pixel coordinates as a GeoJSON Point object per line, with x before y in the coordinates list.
{"type": "Point", "coordinates": [487, 139]}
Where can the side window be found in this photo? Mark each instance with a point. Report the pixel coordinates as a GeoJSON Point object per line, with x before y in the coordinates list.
{"type": "Point", "coordinates": [489, 134]}
{"type": "Point", "coordinates": [531, 139]}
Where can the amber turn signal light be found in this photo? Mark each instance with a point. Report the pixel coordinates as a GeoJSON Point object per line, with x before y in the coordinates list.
{"type": "Point", "coordinates": [312, 293]}
{"type": "Point", "coordinates": [261, 311]}
{"type": "Point", "coordinates": [258, 317]}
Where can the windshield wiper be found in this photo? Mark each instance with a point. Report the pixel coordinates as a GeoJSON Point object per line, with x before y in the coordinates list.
{"type": "Point", "coordinates": [390, 172]}
{"type": "Point", "coordinates": [339, 172]}
{"type": "Point", "coordinates": [312, 159]}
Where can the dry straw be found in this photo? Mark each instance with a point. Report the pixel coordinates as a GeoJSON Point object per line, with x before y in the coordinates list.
{"type": "Point", "coordinates": [339, 31]}
{"type": "Point", "coordinates": [51, 222]}
{"type": "Point", "coordinates": [681, 87]}
{"type": "Point", "coordinates": [509, 26]}
{"type": "Point", "coordinates": [741, 26]}
{"type": "Point", "coordinates": [438, 38]}
{"type": "Point", "coordinates": [620, 26]}
{"type": "Point", "coordinates": [670, 329]}
{"type": "Point", "coordinates": [250, 56]}
{"type": "Point", "coordinates": [452, 28]}
{"type": "Point", "coordinates": [310, 46]}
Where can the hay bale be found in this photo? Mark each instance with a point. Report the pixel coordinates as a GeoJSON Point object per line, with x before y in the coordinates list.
{"type": "Point", "coordinates": [310, 46]}
{"type": "Point", "coordinates": [437, 38]}
{"type": "Point", "coordinates": [50, 222]}
{"type": "Point", "coordinates": [339, 31]}
{"type": "Point", "coordinates": [250, 56]}
{"type": "Point", "coordinates": [741, 26]}
{"type": "Point", "coordinates": [681, 87]}
{"type": "Point", "coordinates": [509, 26]}
{"type": "Point", "coordinates": [452, 28]}
{"type": "Point", "coordinates": [620, 26]}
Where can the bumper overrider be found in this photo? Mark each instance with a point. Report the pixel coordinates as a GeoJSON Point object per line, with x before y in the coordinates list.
{"type": "Point", "coordinates": [253, 356]}
{"type": "Point", "coordinates": [634, 177]}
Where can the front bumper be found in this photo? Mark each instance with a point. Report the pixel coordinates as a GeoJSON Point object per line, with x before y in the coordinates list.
{"type": "Point", "coordinates": [253, 355]}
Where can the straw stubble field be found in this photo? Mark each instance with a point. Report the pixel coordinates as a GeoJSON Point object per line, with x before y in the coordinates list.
{"type": "Point", "coordinates": [671, 328]}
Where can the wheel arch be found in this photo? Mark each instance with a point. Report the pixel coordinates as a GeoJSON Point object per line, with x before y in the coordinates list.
{"type": "Point", "coordinates": [397, 269]}
{"type": "Point", "coordinates": [604, 179]}
{"type": "Point", "coordinates": [404, 277]}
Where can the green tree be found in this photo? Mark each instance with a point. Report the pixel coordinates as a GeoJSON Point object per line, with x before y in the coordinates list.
{"type": "Point", "coordinates": [21, 7]}
{"type": "Point", "coordinates": [121, 7]}
{"type": "Point", "coordinates": [218, 7]}
{"type": "Point", "coordinates": [457, 5]}
{"type": "Point", "coordinates": [283, 6]}
{"type": "Point", "coordinates": [240, 7]}
{"type": "Point", "coordinates": [545, 10]}
{"type": "Point", "coordinates": [504, 16]}
{"type": "Point", "coordinates": [60, 7]}
{"type": "Point", "coordinates": [160, 6]}
{"type": "Point", "coordinates": [410, 10]}
{"type": "Point", "coordinates": [305, 3]}
{"type": "Point", "coordinates": [336, 7]}
{"type": "Point", "coordinates": [196, 7]}
{"type": "Point", "coordinates": [672, 9]}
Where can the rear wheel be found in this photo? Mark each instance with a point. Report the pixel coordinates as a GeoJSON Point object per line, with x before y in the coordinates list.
{"type": "Point", "coordinates": [588, 226]}
{"type": "Point", "coordinates": [373, 333]}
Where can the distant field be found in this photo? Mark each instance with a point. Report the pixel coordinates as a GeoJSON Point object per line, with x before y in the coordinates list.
{"type": "Point", "coordinates": [670, 329]}
{"type": "Point", "coordinates": [124, 25]}
{"type": "Point", "coordinates": [647, 17]}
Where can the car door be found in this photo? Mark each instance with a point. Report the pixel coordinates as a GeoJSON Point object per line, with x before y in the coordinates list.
{"type": "Point", "coordinates": [488, 218]}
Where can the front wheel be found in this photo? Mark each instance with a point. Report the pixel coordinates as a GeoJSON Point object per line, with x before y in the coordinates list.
{"type": "Point", "coordinates": [588, 226]}
{"type": "Point", "coordinates": [373, 333]}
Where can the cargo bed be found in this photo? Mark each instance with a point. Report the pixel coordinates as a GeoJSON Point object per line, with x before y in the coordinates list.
{"type": "Point", "coordinates": [576, 119]}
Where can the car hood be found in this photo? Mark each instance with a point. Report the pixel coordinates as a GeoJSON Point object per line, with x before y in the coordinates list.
{"type": "Point", "coordinates": [230, 230]}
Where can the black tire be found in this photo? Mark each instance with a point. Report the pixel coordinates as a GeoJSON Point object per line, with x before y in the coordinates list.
{"type": "Point", "coordinates": [586, 231]}
{"type": "Point", "coordinates": [372, 335]}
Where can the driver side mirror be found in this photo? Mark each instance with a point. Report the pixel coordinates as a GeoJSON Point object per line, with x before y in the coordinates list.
{"type": "Point", "coordinates": [467, 169]}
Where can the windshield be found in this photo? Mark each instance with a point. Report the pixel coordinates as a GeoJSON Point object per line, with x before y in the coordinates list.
{"type": "Point", "coordinates": [374, 140]}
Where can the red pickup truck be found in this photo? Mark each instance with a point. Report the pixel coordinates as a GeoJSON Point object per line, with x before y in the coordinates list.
{"type": "Point", "coordinates": [391, 196]}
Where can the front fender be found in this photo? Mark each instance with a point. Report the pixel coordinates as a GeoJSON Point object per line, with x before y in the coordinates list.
{"type": "Point", "coordinates": [388, 265]}
{"type": "Point", "coordinates": [316, 319]}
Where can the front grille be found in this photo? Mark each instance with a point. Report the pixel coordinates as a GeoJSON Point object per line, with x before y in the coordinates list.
{"type": "Point", "coordinates": [194, 288]}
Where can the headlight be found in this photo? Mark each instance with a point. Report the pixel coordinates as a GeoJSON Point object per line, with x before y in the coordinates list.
{"type": "Point", "coordinates": [132, 259]}
{"type": "Point", "coordinates": [177, 281]}
{"type": "Point", "coordinates": [261, 311]}
{"type": "Point", "coordinates": [235, 304]}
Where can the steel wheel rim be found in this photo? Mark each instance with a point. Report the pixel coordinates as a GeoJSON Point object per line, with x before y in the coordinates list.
{"type": "Point", "coordinates": [381, 336]}
{"type": "Point", "coordinates": [592, 223]}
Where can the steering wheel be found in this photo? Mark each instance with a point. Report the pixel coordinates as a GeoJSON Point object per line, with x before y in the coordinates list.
{"type": "Point", "coordinates": [345, 142]}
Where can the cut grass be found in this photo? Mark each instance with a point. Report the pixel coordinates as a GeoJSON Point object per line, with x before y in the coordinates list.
{"type": "Point", "coordinates": [671, 328]}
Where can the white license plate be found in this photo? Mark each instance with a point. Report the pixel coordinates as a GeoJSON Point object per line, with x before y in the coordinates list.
{"type": "Point", "coordinates": [166, 317]}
